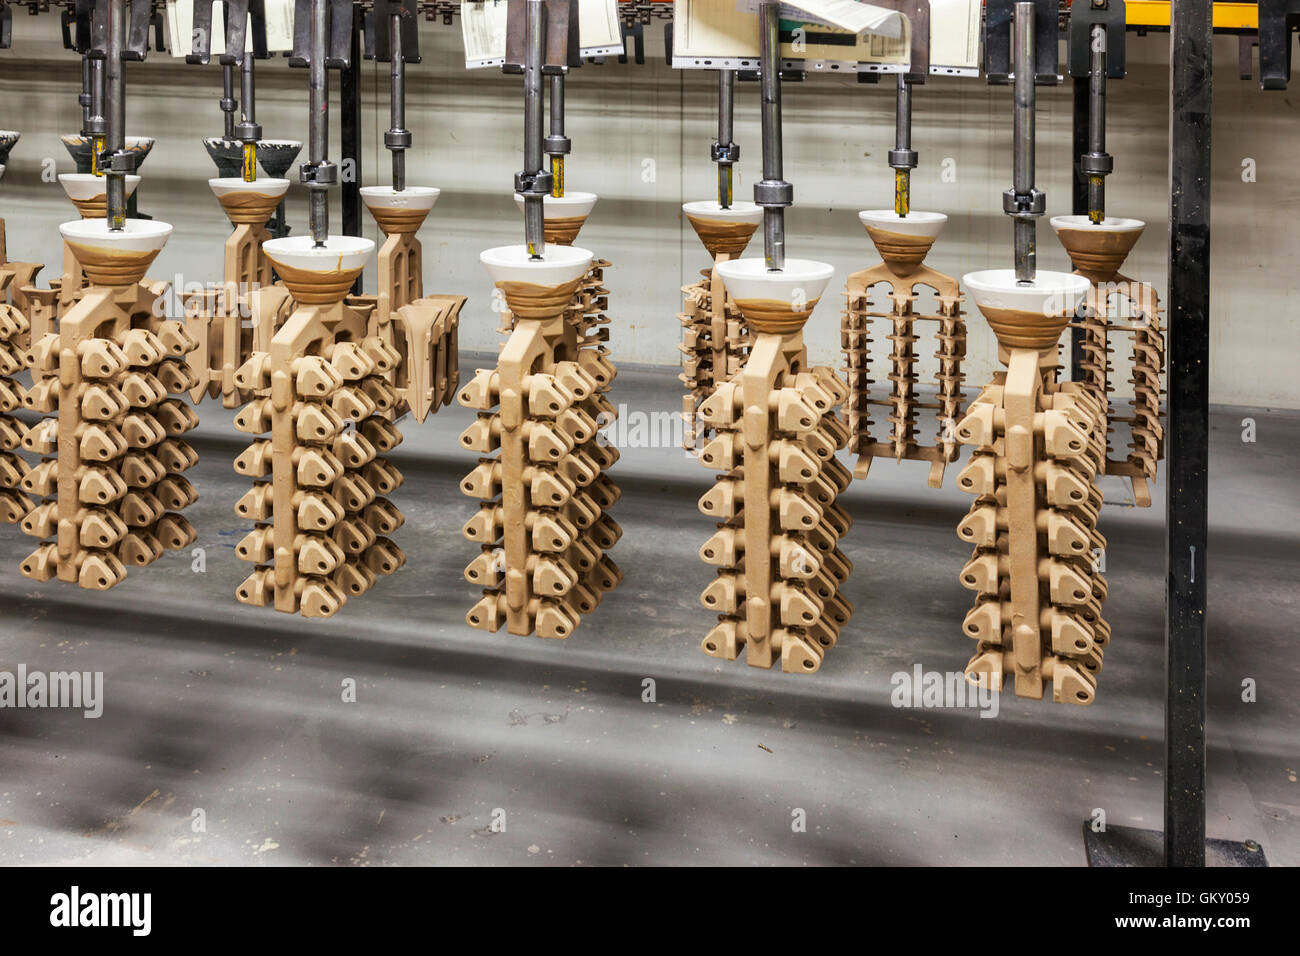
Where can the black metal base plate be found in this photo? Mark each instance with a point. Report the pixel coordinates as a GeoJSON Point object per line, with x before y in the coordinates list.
{"type": "Point", "coordinates": [1130, 846]}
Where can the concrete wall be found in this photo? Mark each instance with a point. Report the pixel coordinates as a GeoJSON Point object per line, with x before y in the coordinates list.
{"type": "Point", "coordinates": [641, 137]}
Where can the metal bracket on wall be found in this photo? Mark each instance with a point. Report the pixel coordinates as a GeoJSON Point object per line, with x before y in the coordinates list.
{"type": "Point", "coordinates": [1278, 20]}
{"type": "Point", "coordinates": [74, 21]}
{"type": "Point", "coordinates": [997, 42]}
{"type": "Point", "coordinates": [85, 29]}
{"type": "Point", "coordinates": [138, 22]}
{"type": "Point", "coordinates": [377, 38]}
{"type": "Point", "coordinates": [239, 13]}
{"type": "Point", "coordinates": [637, 32]}
{"type": "Point", "coordinates": [1082, 19]}
{"type": "Point", "coordinates": [339, 55]}
{"type": "Point", "coordinates": [918, 15]}
{"type": "Point", "coordinates": [562, 46]}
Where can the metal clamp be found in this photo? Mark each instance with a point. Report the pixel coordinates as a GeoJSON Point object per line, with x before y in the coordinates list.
{"type": "Point", "coordinates": [774, 193]}
{"type": "Point", "coordinates": [533, 184]}
{"type": "Point", "coordinates": [728, 153]}
{"type": "Point", "coordinates": [903, 158]}
{"type": "Point", "coordinates": [1097, 164]}
{"type": "Point", "coordinates": [1030, 205]}
{"type": "Point", "coordinates": [320, 175]}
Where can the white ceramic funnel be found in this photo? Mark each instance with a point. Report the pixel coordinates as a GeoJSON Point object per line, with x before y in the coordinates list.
{"type": "Point", "coordinates": [746, 212]}
{"type": "Point", "coordinates": [1030, 316]}
{"type": "Point", "coordinates": [82, 187]}
{"type": "Point", "coordinates": [139, 235]}
{"type": "Point", "coordinates": [412, 197]}
{"type": "Point", "coordinates": [802, 281]}
{"type": "Point", "coordinates": [558, 265]}
{"type": "Point", "coordinates": [224, 186]}
{"type": "Point", "coordinates": [569, 206]}
{"type": "Point", "coordinates": [115, 258]}
{"type": "Point", "coordinates": [339, 254]}
{"type": "Point", "coordinates": [1098, 250]}
{"type": "Point", "coordinates": [1050, 293]}
{"type": "Point", "coordinates": [1109, 224]}
{"type": "Point", "coordinates": [922, 225]}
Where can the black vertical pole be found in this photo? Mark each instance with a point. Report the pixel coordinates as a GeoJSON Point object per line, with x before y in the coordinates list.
{"type": "Point", "coordinates": [1079, 206]}
{"type": "Point", "coordinates": [1191, 68]}
{"type": "Point", "coordinates": [350, 134]}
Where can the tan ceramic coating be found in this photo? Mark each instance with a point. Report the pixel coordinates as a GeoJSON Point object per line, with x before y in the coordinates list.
{"type": "Point", "coordinates": [95, 207]}
{"type": "Point", "coordinates": [399, 220]}
{"type": "Point", "coordinates": [903, 254]}
{"type": "Point", "coordinates": [248, 208]}
{"type": "Point", "coordinates": [317, 288]}
{"type": "Point", "coordinates": [1018, 329]}
{"type": "Point", "coordinates": [562, 230]}
{"type": "Point", "coordinates": [528, 300]}
{"type": "Point", "coordinates": [106, 265]}
{"type": "Point", "coordinates": [721, 236]}
{"type": "Point", "coordinates": [1098, 254]}
{"type": "Point", "coordinates": [773, 315]}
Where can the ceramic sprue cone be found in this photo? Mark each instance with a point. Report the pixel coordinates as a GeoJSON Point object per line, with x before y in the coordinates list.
{"type": "Point", "coordinates": [89, 193]}
{"type": "Point", "coordinates": [115, 258]}
{"type": "Point", "coordinates": [723, 231]}
{"type": "Point", "coordinates": [778, 301]}
{"type": "Point", "coordinates": [227, 154]}
{"type": "Point", "coordinates": [537, 288]}
{"type": "Point", "coordinates": [1098, 250]}
{"type": "Point", "coordinates": [318, 275]}
{"type": "Point", "coordinates": [563, 216]}
{"type": "Point", "coordinates": [252, 203]}
{"type": "Point", "coordinates": [80, 147]}
{"type": "Point", "coordinates": [1029, 316]}
{"type": "Point", "coordinates": [902, 241]}
{"type": "Point", "coordinates": [275, 156]}
{"type": "Point", "coordinates": [399, 211]}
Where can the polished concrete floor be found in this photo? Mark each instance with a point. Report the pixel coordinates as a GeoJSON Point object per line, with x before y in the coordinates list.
{"type": "Point", "coordinates": [467, 747]}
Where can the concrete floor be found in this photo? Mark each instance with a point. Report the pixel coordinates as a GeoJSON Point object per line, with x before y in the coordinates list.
{"type": "Point", "coordinates": [237, 711]}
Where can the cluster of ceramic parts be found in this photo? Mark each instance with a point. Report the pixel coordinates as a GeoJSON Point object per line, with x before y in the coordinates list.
{"type": "Point", "coordinates": [903, 243]}
{"type": "Point", "coordinates": [776, 432]}
{"type": "Point", "coordinates": [319, 497]}
{"type": "Point", "coordinates": [543, 527]}
{"type": "Point", "coordinates": [108, 382]}
{"type": "Point", "coordinates": [1039, 447]}
{"type": "Point", "coordinates": [1118, 307]}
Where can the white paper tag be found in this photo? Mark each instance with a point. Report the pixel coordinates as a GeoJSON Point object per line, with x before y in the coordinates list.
{"type": "Point", "coordinates": [843, 14]}
{"type": "Point", "coordinates": [180, 27]}
{"type": "Point", "coordinates": [483, 30]}
{"type": "Point", "coordinates": [598, 27]}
